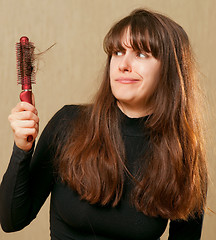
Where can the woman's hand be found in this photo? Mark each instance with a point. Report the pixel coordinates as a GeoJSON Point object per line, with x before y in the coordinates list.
{"type": "Point", "coordinates": [24, 122]}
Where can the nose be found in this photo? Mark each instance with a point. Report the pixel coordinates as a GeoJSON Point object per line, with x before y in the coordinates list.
{"type": "Point", "coordinates": [125, 65]}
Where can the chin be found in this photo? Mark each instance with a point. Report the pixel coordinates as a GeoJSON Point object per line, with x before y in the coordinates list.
{"type": "Point", "coordinates": [123, 97]}
{"type": "Point", "coordinates": [127, 101]}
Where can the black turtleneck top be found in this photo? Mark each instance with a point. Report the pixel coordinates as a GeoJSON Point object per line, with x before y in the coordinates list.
{"type": "Point", "coordinates": [30, 178]}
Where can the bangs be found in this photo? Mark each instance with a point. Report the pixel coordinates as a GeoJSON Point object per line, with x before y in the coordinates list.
{"type": "Point", "coordinates": [144, 36]}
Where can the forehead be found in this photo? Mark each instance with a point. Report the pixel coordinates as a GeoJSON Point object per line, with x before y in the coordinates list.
{"type": "Point", "coordinates": [125, 38]}
{"type": "Point", "coordinates": [140, 36]}
{"type": "Point", "coordinates": [137, 41]}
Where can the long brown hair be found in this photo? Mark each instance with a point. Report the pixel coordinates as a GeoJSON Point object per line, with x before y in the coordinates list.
{"type": "Point", "coordinates": [92, 160]}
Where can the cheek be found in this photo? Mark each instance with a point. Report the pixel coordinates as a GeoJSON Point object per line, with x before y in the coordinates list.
{"type": "Point", "coordinates": [151, 76]}
{"type": "Point", "coordinates": [114, 88]}
{"type": "Point", "coordinates": [112, 69]}
{"type": "Point", "coordinates": [153, 82]}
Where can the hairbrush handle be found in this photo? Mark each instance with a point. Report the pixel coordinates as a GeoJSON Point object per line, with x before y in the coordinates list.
{"type": "Point", "coordinates": [26, 96]}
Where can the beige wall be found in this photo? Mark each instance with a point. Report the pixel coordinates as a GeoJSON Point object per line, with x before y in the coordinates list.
{"type": "Point", "coordinates": [69, 72]}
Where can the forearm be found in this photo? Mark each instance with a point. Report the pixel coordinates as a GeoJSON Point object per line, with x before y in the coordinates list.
{"type": "Point", "coordinates": [14, 192]}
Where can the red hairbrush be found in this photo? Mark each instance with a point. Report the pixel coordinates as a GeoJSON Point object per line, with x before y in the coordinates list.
{"type": "Point", "coordinates": [26, 73]}
{"type": "Point", "coordinates": [25, 69]}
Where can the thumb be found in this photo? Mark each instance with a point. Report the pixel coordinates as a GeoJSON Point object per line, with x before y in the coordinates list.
{"type": "Point", "coordinates": [33, 99]}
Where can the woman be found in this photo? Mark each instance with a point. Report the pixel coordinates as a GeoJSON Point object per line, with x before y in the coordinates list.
{"type": "Point", "coordinates": [120, 167]}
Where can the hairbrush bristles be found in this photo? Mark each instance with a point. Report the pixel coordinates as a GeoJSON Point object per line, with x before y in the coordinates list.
{"type": "Point", "coordinates": [25, 63]}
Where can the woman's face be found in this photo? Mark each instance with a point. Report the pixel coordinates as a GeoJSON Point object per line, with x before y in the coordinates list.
{"type": "Point", "coordinates": [133, 76]}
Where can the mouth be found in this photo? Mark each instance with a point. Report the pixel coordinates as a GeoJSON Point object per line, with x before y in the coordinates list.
{"type": "Point", "coordinates": [127, 80]}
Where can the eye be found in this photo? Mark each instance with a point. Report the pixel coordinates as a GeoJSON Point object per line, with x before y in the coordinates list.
{"type": "Point", "coordinates": [118, 53]}
{"type": "Point", "coordinates": [141, 55]}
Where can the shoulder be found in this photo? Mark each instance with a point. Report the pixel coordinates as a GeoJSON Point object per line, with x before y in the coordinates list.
{"type": "Point", "coordinates": [68, 111]}
{"type": "Point", "coordinates": [59, 125]}
{"type": "Point", "coordinates": [66, 114]}
{"type": "Point", "coordinates": [62, 118]}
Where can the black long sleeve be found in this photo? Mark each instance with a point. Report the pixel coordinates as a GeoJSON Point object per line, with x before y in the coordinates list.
{"type": "Point", "coordinates": [27, 182]}
{"type": "Point", "coordinates": [30, 178]}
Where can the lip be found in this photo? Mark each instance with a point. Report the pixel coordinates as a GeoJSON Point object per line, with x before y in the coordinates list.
{"type": "Point", "coordinates": [127, 80]}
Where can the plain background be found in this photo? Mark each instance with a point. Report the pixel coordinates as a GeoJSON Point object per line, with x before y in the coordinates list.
{"type": "Point", "coordinates": [70, 72]}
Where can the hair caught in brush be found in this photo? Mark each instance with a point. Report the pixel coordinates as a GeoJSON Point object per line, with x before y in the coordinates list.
{"type": "Point", "coordinates": [37, 56]}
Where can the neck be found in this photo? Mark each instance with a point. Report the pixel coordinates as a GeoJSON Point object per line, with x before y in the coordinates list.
{"type": "Point", "coordinates": [133, 111]}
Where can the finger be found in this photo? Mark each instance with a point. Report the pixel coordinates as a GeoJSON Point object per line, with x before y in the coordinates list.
{"type": "Point", "coordinates": [23, 124]}
{"type": "Point", "coordinates": [33, 99]}
{"type": "Point", "coordinates": [21, 116]}
{"type": "Point", "coordinates": [23, 133]}
{"type": "Point", "coordinates": [24, 106]}
{"type": "Point", "coordinates": [37, 127]}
